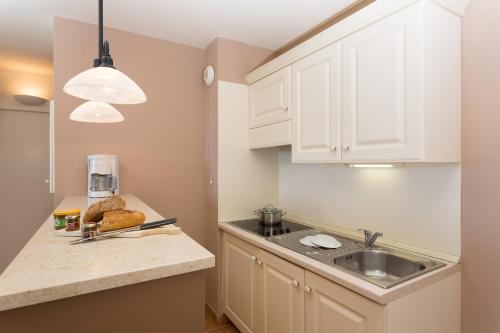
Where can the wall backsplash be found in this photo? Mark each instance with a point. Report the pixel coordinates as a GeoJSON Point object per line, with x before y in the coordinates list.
{"type": "Point", "coordinates": [416, 204]}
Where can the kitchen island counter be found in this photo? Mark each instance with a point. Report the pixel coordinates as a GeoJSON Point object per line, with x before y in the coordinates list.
{"type": "Point", "coordinates": [48, 268]}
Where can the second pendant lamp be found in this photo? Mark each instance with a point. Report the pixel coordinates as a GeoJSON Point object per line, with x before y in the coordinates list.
{"type": "Point", "coordinates": [103, 83]}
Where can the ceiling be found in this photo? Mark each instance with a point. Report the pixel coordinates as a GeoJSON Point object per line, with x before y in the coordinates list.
{"type": "Point", "coordinates": [26, 25]}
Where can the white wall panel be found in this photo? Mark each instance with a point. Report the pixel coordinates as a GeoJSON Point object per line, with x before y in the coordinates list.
{"type": "Point", "coordinates": [248, 179]}
{"type": "Point", "coordinates": [416, 204]}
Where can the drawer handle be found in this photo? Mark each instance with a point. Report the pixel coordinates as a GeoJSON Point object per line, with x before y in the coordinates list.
{"type": "Point", "coordinates": [345, 147]}
{"type": "Point", "coordinates": [259, 262]}
{"type": "Point", "coordinates": [334, 148]}
{"type": "Point", "coordinates": [285, 108]}
{"type": "Point", "coordinates": [295, 283]}
{"type": "Point", "coordinates": [307, 289]}
{"type": "Point", "coordinates": [254, 258]}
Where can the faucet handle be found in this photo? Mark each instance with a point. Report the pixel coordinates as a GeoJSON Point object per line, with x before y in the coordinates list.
{"type": "Point", "coordinates": [370, 236]}
{"type": "Point", "coordinates": [366, 232]}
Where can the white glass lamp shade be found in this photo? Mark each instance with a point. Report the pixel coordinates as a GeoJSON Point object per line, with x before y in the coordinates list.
{"type": "Point", "coordinates": [105, 84]}
{"type": "Point", "coordinates": [96, 112]}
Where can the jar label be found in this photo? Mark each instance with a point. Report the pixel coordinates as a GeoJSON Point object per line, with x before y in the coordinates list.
{"type": "Point", "coordinates": [60, 222]}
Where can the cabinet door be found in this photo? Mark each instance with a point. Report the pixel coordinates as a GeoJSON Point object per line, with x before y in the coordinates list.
{"type": "Point", "coordinates": [316, 106]}
{"type": "Point", "coordinates": [282, 296]}
{"type": "Point", "coordinates": [240, 283]}
{"type": "Point", "coordinates": [269, 99]}
{"type": "Point", "coordinates": [331, 308]}
{"type": "Point", "coordinates": [382, 91]}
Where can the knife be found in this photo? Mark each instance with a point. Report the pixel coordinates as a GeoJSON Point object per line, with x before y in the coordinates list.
{"type": "Point", "coordinates": [145, 226]}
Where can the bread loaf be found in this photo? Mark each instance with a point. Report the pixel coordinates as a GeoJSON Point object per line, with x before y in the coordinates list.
{"type": "Point", "coordinates": [96, 211]}
{"type": "Point", "coordinates": [119, 219]}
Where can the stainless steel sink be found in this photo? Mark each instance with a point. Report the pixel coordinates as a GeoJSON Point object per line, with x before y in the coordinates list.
{"type": "Point", "coordinates": [381, 266]}
{"type": "Point", "coordinates": [385, 268]}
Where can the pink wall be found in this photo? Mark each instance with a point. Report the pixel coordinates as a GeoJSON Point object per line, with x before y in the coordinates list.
{"type": "Point", "coordinates": [161, 142]}
{"type": "Point", "coordinates": [167, 146]}
{"type": "Point", "coordinates": [481, 168]}
{"type": "Point", "coordinates": [232, 60]}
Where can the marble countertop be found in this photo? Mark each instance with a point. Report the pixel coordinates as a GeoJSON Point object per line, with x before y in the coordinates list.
{"type": "Point", "coordinates": [361, 287]}
{"type": "Point", "coordinates": [49, 268]}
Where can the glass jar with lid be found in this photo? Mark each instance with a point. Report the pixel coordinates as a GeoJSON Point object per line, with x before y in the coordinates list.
{"type": "Point", "coordinates": [60, 217]}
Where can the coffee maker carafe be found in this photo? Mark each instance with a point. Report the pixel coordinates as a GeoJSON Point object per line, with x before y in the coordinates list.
{"type": "Point", "coordinates": [102, 176]}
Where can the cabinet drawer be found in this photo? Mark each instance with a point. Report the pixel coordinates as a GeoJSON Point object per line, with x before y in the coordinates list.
{"type": "Point", "coordinates": [271, 135]}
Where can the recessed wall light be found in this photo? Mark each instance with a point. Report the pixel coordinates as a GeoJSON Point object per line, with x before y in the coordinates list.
{"type": "Point", "coordinates": [30, 100]}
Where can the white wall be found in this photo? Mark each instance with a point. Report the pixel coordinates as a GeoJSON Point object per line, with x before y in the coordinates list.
{"type": "Point", "coordinates": [417, 204]}
{"type": "Point", "coordinates": [248, 179]}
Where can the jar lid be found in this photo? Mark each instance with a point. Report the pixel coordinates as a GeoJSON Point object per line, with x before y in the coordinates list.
{"type": "Point", "coordinates": [64, 212]}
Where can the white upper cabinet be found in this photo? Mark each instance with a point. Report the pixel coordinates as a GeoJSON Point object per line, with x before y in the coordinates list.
{"type": "Point", "coordinates": [316, 107]}
{"type": "Point", "coordinates": [269, 99]}
{"type": "Point", "coordinates": [383, 85]}
{"type": "Point", "coordinates": [382, 105]}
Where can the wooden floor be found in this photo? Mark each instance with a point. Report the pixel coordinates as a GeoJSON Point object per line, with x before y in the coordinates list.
{"type": "Point", "coordinates": [211, 325]}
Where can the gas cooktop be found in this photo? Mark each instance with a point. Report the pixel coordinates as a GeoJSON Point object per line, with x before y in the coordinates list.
{"type": "Point", "coordinates": [256, 227]}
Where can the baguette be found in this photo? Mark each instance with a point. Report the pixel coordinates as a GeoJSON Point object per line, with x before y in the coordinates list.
{"type": "Point", "coordinates": [96, 211]}
{"type": "Point", "coordinates": [119, 219]}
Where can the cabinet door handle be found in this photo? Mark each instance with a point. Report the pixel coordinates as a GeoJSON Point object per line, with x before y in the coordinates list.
{"type": "Point", "coordinates": [285, 108]}
{"type": "Point", "coordinates": [307, 289]}
{"type": "Point", "coordinates": [345, 147]}
{"type": "Point", "coordinates": [259, 262]}
{"type": "Point", "coordinates": [334, 148]}
{"type": "Point", "coordinates": [295, 283]}
{"type": "Point", "coordinates": [254, 258]}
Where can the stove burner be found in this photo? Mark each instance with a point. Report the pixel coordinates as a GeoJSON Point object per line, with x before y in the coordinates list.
{"type": "Point", "coordinates": [255, 226]}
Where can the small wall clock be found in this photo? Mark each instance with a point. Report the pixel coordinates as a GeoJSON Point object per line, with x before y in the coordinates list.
{"type": "Point", "coordinates": [208, 75]}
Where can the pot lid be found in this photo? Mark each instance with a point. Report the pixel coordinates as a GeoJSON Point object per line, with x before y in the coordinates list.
{"type": "Point", "coordinates": [270, 209]}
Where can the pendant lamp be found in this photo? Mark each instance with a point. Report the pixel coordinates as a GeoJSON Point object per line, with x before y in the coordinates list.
{"type": "Point", "coordinates": [96, 112]}
{"type": "Point", "coordinates": [103, 82]}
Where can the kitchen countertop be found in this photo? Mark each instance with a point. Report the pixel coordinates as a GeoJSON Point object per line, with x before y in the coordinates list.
{"type": "Point", "coordinates": [48, 268]}
{"type": "Point", "coordinates": [361, 287]}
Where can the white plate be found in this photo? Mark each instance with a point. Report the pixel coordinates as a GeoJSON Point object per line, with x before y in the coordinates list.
{"type": "Point", "coordinates": [307, 241]}
{"type": "Point", "coordinates": [326, 241]}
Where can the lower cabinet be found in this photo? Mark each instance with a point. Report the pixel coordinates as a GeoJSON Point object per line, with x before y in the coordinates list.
{"type": "Point", "coordinates": [282, 295]}
{"type": "Point", "coordinates": [241, 276]}
{"type": "Point", "coordinates": [331, 308]}
{"type": "Point", "coordinates": [266, 294]}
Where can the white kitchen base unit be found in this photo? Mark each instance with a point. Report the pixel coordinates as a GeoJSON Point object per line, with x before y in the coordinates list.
{"type": "Point", "coordinates": [263, 293]}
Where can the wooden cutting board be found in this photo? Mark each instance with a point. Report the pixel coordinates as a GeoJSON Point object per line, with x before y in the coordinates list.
{"type": "Point", "coordinates": [168, 230]}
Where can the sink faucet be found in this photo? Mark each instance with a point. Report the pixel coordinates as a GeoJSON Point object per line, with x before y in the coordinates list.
{"type": "Point", "coordinates": [370, 237]}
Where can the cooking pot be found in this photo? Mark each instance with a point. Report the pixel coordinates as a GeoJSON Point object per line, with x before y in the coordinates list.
{"type": "Point", "coordinates": [270, 215]}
